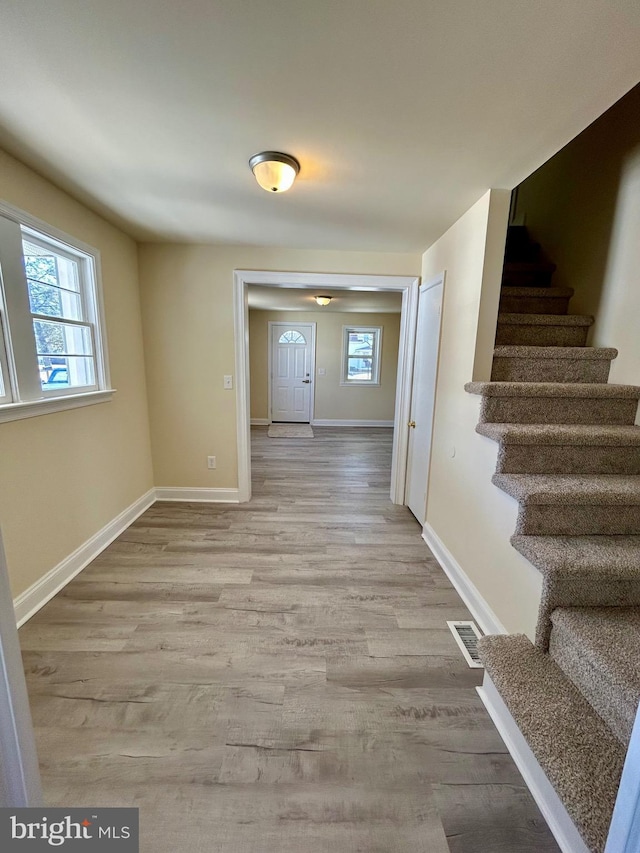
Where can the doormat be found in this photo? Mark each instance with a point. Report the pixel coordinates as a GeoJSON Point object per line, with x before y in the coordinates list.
{"type": "Point", "coordinates": [290, 431]}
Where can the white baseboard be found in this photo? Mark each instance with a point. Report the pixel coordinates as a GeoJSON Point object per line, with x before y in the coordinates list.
{"type": "Point", "coordinates": [563, 829]}
{"type": "Point", "coordinates": [467, 590]}
{"type": "Point", "coordinates": [260, 421]}
{"type": "Point", "coordinates": [349, 423]}
{"type": "Point", "coordinates": [227, 496]}
{"type": "Point", "coordinates": [32, 599]}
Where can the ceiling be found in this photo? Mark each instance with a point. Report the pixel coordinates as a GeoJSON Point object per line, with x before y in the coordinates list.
{"type": "Point", "coordinates": [401, 113]}
{"type": "Point", "coordinates": [296, 299]}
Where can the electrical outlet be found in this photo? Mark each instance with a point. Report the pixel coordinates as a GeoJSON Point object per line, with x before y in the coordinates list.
{"type": "Point", "coordinates": [211, 461]}
{"type": "Point", "coordinates": [228, 383]}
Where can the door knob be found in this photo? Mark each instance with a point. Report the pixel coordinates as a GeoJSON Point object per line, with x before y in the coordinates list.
{"type": "Point", "coordinates": [412, 424]}
{"type": "Point", "coordinates": [306, 381]}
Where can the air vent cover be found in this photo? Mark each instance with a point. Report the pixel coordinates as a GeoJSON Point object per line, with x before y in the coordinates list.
{"type": "Point", "coordinates": [466, 635]}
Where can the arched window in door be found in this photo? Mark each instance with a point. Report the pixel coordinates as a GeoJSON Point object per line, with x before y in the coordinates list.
{"type": "Point", "coordinates": [292, 337]}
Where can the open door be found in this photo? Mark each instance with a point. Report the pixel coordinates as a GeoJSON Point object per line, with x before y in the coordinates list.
{"type": "Point", "coordinates": [423, 395]}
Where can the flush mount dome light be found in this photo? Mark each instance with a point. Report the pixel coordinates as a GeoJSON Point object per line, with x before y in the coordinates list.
{"type": "Point", "coordinates": [274, 171]}
{"type": "Point", "coordinates": [323, 300]}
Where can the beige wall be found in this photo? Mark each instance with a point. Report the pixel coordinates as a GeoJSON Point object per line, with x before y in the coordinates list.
{"type": "Point", "coordinates": [471, 517]}
{"type": "Point", "coordinates": [584, 208]}
{"type": "Point", "coordinates": [65, 475]}
{"type": "Point", "coordinates": [187, 297]}
{"type": "Point", "coordinates": [332, 400]}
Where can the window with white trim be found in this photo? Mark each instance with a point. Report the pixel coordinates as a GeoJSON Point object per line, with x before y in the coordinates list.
{"type": "Point", "coordinates": [361, 353]}
{"type": "Point", "coordinates": [51, 328]}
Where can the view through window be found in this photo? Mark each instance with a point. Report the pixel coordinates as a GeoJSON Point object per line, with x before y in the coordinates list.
{"type": "Point", "coordinates": [361, 355]}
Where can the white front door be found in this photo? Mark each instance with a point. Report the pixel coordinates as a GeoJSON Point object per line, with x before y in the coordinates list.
{"type": "Point", "coordinates": [291, 371]}
{"type": "Point", "coordinates": [423, 395]}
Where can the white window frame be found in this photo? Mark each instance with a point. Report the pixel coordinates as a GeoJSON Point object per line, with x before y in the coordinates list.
{"type": "Point", "coordinates": [376, 357]}
{"type": "Point", "coordinates": [24, 396]}
{"type": "Point", "coordinates": [6, 379]}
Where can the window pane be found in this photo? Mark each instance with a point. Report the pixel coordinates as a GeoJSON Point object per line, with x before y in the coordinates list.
{"type": "Point", "coordinates": [292, 337]}
{"type": "Point", "coordinates": [57, 373]}
{"type": "Point", "coordinates": [54, 302]}
{"type": "Point", "coordinates": [46, 266]}
{"type": "Point", "coordinates": [62, 338]}
{"type": "Point", "coordinates": [360, 343]}
{"type": "Point", "coordinates": [360, 369]}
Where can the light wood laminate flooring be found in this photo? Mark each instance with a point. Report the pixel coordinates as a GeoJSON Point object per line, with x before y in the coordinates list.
{"type": "Point", "coordinates": [276, 676]}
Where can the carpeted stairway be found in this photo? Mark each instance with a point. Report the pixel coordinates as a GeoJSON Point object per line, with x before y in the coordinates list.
{"type": "Point", "coordinates": [569, 453]}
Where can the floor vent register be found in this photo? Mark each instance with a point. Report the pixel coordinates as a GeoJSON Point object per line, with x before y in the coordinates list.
{"type": "Point", "coordinates": [466, 635]}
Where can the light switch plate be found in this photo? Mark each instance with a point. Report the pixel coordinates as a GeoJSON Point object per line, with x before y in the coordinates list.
{"type": "Point", "coordinates": [228, 383]}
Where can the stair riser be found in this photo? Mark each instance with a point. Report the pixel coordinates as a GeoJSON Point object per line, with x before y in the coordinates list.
{"type": "Point", "coordinates": [533, 278]}
{"type": "Point", "coordinates": [558, 410]}
{"type": "Point", "coordinates": [578, 520]}
{"type": "Point", "coordinates": [583, 589]}
{"type": "Point", "coordinates": [567, 459]}
{"type": "Point", "coordinates": [541, 336]}
{"type": "Point", "coordinates": [550, 370]}
{"type": "Point", "coordinates": [534, 304]}
{"type": "Point", "coordinates": [594, 684]}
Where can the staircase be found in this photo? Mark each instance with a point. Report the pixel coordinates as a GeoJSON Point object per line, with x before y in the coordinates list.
{"type": "Point", "coordinates": [569, 453]}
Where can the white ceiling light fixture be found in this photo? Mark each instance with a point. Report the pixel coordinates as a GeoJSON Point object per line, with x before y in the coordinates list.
{"type": "Point", "coordinates": [274, 171]}
{"type": "Point", "coordinates": [323, 300]}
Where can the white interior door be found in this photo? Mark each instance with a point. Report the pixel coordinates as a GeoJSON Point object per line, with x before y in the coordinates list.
{"type": "Point", "coordinates": [19, 772]}
{"type": "Point", "coordinates": [425, 371]}
{"type": "Point", "coordinates": [291, 371]}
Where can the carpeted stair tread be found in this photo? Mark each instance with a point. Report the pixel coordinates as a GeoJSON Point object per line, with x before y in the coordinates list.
{"type": "Point", "coordinates": [598, 649]}
{"type": "Point", "coordinates": [545, 319]}
{"type": "Point", "coordinates": [517, 362]}
{"type": "Point", "coordinates": [582, 759]}
{"type": "Point", "coordinates": [592, 435]}
{"type": "Point", "coordinates": [552, 389]}
{"type": "Point", "coordinates": [586, 353]}
{"type": "Point", "coordinates": [585, 571]}
{"type": "Point", "coordinates": [563, 490]}
{"type": "Point", "coordinates": [556, 402]}
{"type": "Point", "coordinates": [577, 555]}
{"type": "Point", "coordinates": [538, 292]}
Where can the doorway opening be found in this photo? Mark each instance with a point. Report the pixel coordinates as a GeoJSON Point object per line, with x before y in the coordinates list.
{"type": "Point", "coordinates": [406, 286]}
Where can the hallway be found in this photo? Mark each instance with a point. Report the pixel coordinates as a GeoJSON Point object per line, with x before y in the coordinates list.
{"type": "Point", "coordinates": [276, 676]}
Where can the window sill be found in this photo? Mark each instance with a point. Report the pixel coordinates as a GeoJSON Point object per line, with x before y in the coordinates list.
{"type": "Point", "coordinates": [34, 408]}
{"type": "Point", "coordinates": [360, 384]}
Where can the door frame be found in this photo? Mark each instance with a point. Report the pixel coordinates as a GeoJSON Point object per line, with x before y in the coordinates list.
{"type": "Point", "coordinates": [406, 285]}
{"type": "Point", "coordinates": [312, 365]}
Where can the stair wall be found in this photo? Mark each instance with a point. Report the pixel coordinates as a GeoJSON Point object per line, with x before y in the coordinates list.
{"type": "Point", "coordinates": [460, 491]}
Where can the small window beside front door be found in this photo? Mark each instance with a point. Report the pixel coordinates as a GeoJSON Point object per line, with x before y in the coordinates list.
{"type": "Point", "coordinates": [292, 337]}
